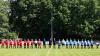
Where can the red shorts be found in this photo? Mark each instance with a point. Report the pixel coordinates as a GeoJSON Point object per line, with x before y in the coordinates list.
{"type": "Point", "coordinates": [2, 44]}
{"type": "Point", "coordinates": [39, 44]}
{"type": "Point", "coordinates": [6, 45]}
{"type": "Point", "coordinates": [14, 44]}
{"type": "Point", "coordinates": [20, 46]}
{"type": "Point", "coordinates": [28, 45]}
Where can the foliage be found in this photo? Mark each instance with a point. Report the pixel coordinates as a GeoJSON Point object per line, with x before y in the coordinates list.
{"type": "Point", "coordinates": [32, 17]}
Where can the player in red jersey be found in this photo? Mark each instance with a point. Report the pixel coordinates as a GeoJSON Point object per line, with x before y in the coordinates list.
{"type": "Point", "coordinates": [2, 44]}
{"type": "Point", "coordinates": [39, 43]}
{"type": "Point", "coordinates": [15, 44]}
{"type": "Point", "coordinates": [25, 43]}
{"type": "Point", "coordinates": [32, 43]}
{"type": "Point", "coordinates": [11, 43]}
{"type": "Point", "coordinates": [20, 43]}
{"type": "Point", "coordinates": [28, 43]}
{"type": "Point", "coordinates": [6, 42]}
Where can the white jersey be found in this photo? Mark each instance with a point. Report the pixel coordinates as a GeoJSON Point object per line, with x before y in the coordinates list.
{"type": "Point", "coordinates": [63, 42]}
{"type": "Point", "coordinates": [35, 42]}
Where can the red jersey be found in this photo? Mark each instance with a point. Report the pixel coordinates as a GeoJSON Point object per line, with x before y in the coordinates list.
{"type": "Point", "coordinates": [39, 42]}
{"type": "Point", "coordinates": [11, 42]}
{"type": "Point", "coordinates": [2, 43]}
{"type": "Point", "coordinates": [15, 42]}
{"type": "Point", "coordinates": [20, 44]}
{"type": "Point", "coordinates": [28, 43]}
{"type": "Point", "coordinates": [32, 42]}
{"type": "Point", "coordinates": [6, 42]}
{"type": "Point", "coordinates": [25, 43]}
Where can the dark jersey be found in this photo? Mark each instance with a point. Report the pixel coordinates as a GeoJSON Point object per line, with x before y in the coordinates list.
{"type": "Point", "coordinates": [44, 42]}
{"type": "Point", "coordinates": [50, 42]}
{"type": "Point", "coordinates": [54, 42]}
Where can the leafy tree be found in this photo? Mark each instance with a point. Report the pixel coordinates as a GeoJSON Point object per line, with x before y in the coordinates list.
{"type": "Point", "coordinates": [4, 19]}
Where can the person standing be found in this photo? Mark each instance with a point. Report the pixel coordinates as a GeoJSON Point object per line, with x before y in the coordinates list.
{"type": "Point", "coordinates": [63, 42]}
{"type": "Point", "coordinates": [44, 43]}
{"type": "Point", "coordinates": [78, 43]}
{"type": "Point", "coordinates": [39, 43]}
{"type": "Point", "coordinates": [82, 43]}
{"type": "Point", "coordinates": [2, 43]}
{"type": "Point", "coordinates": [71, 43]}
{"type": "Point", "coordinates": [11, 44]}
{"type": "Point", "coordinates": [35, 42]}
{"type": "Point", "coordinates": [59, 43]}
{"type": "Point", "coordinates": [97, 44]}
{"type": "Point", "coordinates": [88, 44]}
{"type": "Point", "coordinates": [25, 43]}
{"type": "Point", "coordinates": [50, 43]}
{"type": "Point", "coordinates": [7, 43]}
{"type": "Point", "coordinates": [54, 42]}
{"type": "Point", "coordinates": [85, 43]}
{"type": "Point", "coordinates": [67, 43]}
{"type": "Point", "coordinates": [74, 43]}
{"type": "Point", "coordinates": [32, 43]}
{"type": "Point", "coordinates": [15, 44]}
{"type": "Point", "coordinates": [20, 43]}
{"type": "Point", "coordinates": [91, 43]}
{"type": "Point", "coordinates": [28, 43]}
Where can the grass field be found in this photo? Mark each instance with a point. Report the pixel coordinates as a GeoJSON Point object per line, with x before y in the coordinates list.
{"type": "Point", "coordinates": [49, 52]}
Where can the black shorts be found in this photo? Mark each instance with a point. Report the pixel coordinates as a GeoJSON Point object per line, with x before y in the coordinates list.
{"type": "Point", "coordinates": [74, 44]}
{"type": "Point", "coordinates": [70, 44]}
{"type": "Point", "coordinates": [66, 44]}
{"type": "Point", "coordinates": [50, 44]}
{"type": "Point", "coordinates": [82, 45]}
{"type": "Point", "coordinates": [88, 45]}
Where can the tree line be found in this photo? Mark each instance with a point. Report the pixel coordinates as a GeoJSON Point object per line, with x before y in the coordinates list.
{"type": "Point", "coordinates": [31, 18]}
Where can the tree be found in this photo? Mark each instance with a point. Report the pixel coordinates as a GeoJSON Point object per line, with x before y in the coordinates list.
{"type": "Point", "coordinates": [4, 19]}
{"type": "Point", "coordinates": [32, 17]}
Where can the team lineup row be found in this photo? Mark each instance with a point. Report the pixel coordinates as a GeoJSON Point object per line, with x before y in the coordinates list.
{"type": "Point", "coordinates": [38, 43]}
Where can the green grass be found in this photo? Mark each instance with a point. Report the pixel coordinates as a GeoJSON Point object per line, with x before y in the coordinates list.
{"type": "Point", "coordinates": [49, 52]}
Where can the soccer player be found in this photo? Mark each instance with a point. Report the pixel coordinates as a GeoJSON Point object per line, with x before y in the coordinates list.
{"type": "Point", "coordinates": [97, 45]}
{"type": "Point", "coordinates": [54, 42]}
{"type": "Point", "coordinates": [6, 42]}
{"type": "Point", "coordinates": [32, 43]}
{"type": "Point", "coordinates": [50, 43]}
{"type": "Point", "coordinates": [91, 43]}
{"type": "Point", "coordinates": [78, 44]}
{"type": "Point", "coordinates": [88, 44]}
{"type": "Point", "coordinates": [28, 43]}
{"type": "Point", "coordinates": [59, 43]}
{"type": "Point", "coordinates": [63, 42]}
{"type": "Point", "coordinates": [2, 44]}
{"type": "Point", "coordinates": [15, 44]}
{"type": "Point", "coordinates": [85, 43]}
{"type": "Point", "coordinates": [35, 42]}
{"type": "Point", "coordinates": [39, 43]}
{"type": "Point", "coordinates": [67, 43]}
{"type": "Point", "coordinates": [44, 43]}
{"type": "Point", "coordinates": [82, 44]}
{"type": "Point", "coordinates": [11, 43]}
{"type": "Point", "coordinates": [25, 43]}
{"type": "Point", "coordinates": [74, 43]}
{"type": "Point", "coordinates": [20, 43]}
{"type": "Point", "coordinates": [70, 43]}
